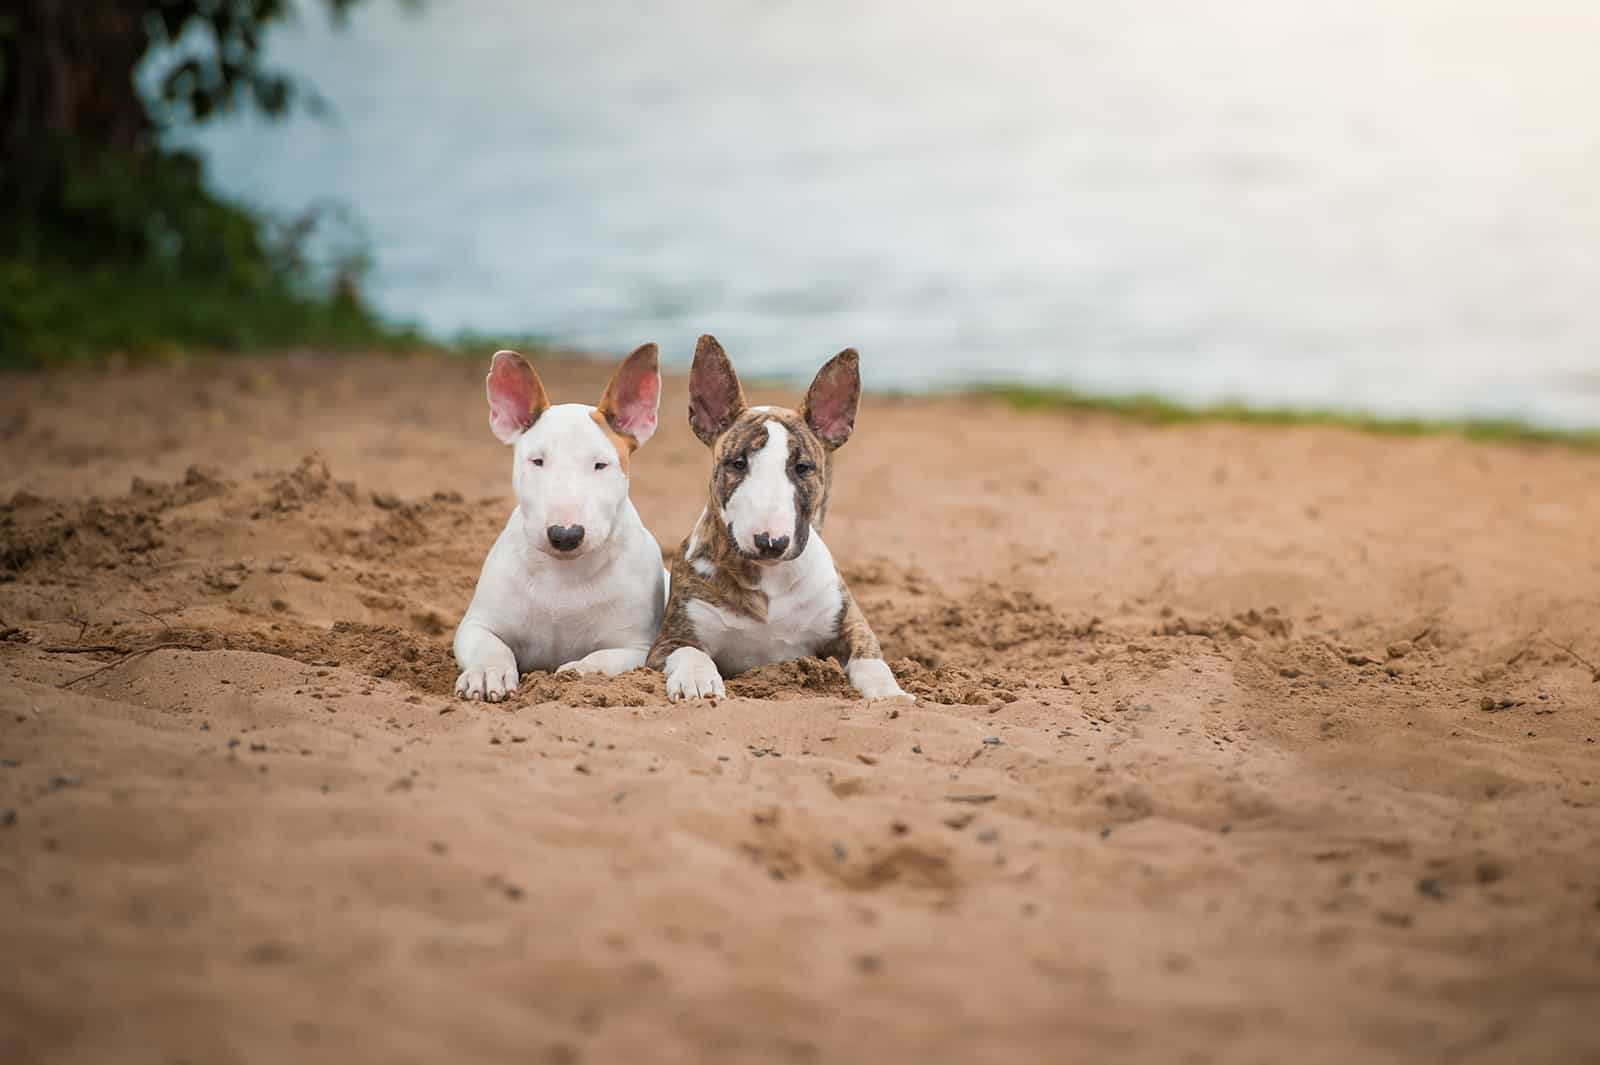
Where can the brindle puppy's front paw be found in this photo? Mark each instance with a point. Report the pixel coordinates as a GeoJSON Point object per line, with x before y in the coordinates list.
{"type": "Point", "coordinates": [487, 685]}
{"type": "Point", "coordinates": [874, 680]}
{"type": "Point", "coordinates": [691, 674]}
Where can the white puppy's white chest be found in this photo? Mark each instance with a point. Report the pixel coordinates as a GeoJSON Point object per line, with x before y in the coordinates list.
{"type": "Point", "coordinates": [551, 612]}
{"type": "Point", "coordinates": [804, 601]}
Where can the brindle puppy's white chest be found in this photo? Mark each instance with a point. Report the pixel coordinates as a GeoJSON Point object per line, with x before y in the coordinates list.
{"type": "Point", "coordinates": [804, 601]}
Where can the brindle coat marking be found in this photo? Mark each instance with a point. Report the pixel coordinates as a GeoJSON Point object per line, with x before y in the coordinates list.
{"type": "Point", "coordinates": [710, 567]}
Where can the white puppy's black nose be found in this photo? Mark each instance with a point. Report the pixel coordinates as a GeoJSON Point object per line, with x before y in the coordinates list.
{"type": "Point", "coordinates": [771, 546]}
{"type": "Point", "coordinates": [565, 537]}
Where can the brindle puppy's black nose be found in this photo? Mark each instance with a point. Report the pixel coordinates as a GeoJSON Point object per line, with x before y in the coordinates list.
{"type": "Point", "coordinates": [771, 546]}
{"type": "Point", "coordinates": [565, 537]}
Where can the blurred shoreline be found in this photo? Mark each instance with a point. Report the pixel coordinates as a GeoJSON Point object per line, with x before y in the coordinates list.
{"type": "Point", "coordinates": [1140, 407]}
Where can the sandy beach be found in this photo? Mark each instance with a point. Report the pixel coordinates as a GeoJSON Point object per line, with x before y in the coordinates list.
{"type": "Point", "coordinates": [1233, 744]}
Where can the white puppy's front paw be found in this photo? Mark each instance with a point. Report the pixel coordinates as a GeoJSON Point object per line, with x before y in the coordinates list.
{"type": "Point", "coordinates": [611, 661]}
{"type": "Point", "coordinates": [487, 685]}
{"type": "Point", "coordinates": [692, 675]}
{"type": "Point", "coordinates": [873, 678]}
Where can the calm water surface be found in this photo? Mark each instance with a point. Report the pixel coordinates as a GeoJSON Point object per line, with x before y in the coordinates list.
{"type": "Point", "coordinates": [1391, 206]}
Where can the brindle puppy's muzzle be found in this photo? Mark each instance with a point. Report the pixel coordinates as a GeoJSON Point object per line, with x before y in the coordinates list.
{"type": "Point", "coordinates": [771, 547]}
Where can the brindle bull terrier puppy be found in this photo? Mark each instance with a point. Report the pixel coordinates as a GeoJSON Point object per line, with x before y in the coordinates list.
{"type": "Point", "coordinates": [754, 584]}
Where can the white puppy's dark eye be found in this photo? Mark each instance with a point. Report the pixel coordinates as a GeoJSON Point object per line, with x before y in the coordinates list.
{"type": "Point", "coordinates": [538, 462]}
{"type": "Point", "coordinates": [602, 465]}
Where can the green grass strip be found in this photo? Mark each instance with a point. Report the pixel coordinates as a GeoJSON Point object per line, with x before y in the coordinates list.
{"type": "Point", "coordinates": [1153, 410]}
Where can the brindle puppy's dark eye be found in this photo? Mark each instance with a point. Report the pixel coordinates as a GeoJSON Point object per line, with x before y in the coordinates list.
{"type": "Point", "coordinates": [804, 468]}
{"type": "Point", "coordinates": [738, 464]}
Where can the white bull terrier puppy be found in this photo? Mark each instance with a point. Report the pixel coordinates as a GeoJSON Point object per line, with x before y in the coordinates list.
{"type": "Point", "coordinates": [575, 579]}
{"type": "Point", "coordinates": [754, 584]}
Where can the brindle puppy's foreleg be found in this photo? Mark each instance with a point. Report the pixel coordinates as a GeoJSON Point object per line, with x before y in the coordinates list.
{"type": "Point", "coordinates": [857, 647]}
{"type": "Point", "coordinates": [691, 674]}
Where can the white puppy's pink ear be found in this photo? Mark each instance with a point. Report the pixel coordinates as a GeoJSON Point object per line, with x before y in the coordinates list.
{"type": "Point", "coordinates": [835, 394]}
{"type": "Point", "coordinates": [716, 398]}
{"type": "Point", "coordinates": [516, 396]}
{"type": "Point", "coordinates": [633, 397]}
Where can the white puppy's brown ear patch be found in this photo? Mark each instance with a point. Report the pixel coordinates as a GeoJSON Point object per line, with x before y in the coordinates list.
{"type": "Point", "coordinates": [831, 402]}
{"type": "Point", "coordinates": [516, 396]}
{"type": "Point", "coordinates": [716, 399]}
{"type": "Point", "coordinates": [632, 399]}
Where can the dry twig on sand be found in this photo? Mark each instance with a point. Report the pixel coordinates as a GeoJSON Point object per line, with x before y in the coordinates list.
{"type": "Point", "coordinates": [127, 656]}
{"type": "Point", "coordinates": [1594, 670]}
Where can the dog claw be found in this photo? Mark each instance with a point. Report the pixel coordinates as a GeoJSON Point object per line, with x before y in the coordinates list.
{"type": "Point", "coordinates": [691, 674]}
{"type": "Point", "coordinates": [487, 686]}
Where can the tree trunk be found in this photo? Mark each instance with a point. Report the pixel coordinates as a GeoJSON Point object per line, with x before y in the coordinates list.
{"type": "Point", "coordinates": [68, 79]}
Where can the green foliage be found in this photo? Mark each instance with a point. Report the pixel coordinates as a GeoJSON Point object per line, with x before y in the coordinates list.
{"type": "Point", "coordinates": [229, 70]}
{"type": "Point", "coordinates": [53, 316]}
{"type": "Point", "coordinates": [138, 257]}
{"type": "Point", "coordinates": [1156, 411]}
{"type": "Point", "coordinates": [111, 245]}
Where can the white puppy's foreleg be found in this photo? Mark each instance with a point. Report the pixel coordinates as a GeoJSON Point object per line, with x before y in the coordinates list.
{"type": "Point", "coordinates": [488, 667]}
{"type": "Point", "coordinates": [691, 674]}
{"type": "Point", "coordinates": [610, 661]}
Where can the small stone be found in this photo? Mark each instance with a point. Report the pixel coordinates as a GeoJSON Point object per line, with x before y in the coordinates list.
{"type": "Point", "coordinates": [1433, 888]}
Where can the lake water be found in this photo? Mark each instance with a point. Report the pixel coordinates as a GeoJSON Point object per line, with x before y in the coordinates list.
{"type": "Point", "coordinates": [1390, 205]}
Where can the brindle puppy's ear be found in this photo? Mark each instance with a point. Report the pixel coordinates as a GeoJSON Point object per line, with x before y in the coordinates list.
{"type": "Point", "coordinates": [715, 397]}
{"type": "Point", "coordinates": [631, 399]}
{"type": "Point", "coordinates": [516, 396]}
{"type": "Point", "coordinates": [831, 403]}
